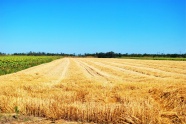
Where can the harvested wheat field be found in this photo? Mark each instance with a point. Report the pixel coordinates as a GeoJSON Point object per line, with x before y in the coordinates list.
{"type": "Point", "coordinates": [92, 90]}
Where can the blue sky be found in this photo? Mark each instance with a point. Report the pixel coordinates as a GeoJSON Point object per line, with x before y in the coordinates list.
{"type": "Point", "coordinates": [88, 26]}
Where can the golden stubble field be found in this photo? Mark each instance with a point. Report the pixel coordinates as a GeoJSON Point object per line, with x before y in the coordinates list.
{"type": "Point", "coordinates": [99, 90]}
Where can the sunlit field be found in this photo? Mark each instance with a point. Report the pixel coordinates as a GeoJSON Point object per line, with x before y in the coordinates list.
{"type": "Point", "coordinates": [10, 64]}
{"type": "Point", "coordinates": [99, 90]}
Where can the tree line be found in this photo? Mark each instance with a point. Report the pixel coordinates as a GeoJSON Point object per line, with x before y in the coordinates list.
{"type": "Point", "coordinates": [110, 54]}
{"type": "Point", "coordinates": [118, 55]}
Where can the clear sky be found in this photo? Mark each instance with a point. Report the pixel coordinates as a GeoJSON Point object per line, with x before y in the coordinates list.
{"type": "Point", "coordinates": [88, 26]}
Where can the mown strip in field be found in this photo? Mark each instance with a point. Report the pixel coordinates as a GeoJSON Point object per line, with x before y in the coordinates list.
{"type": "Point", "coordinates": [11, 64]}
{"type": "Point", "coordinates": [156, 58]}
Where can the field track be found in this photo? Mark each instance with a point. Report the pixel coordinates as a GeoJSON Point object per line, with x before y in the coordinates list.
{"type": "Point", "coordinates": [99, 90]}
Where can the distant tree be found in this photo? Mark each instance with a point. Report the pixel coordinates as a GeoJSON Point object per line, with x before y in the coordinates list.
{"type": "Point", "coordinates": [2, 54]}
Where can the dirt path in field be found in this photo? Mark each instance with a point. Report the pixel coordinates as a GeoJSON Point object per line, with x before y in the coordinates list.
{"type": "Point", "coordinates": [94, 71]}
{"type": "Point", "coordinates": [52, 72]}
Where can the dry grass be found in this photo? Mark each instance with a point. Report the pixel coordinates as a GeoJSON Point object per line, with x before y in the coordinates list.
{"type": "Point", "coordinates": [99, 91]}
